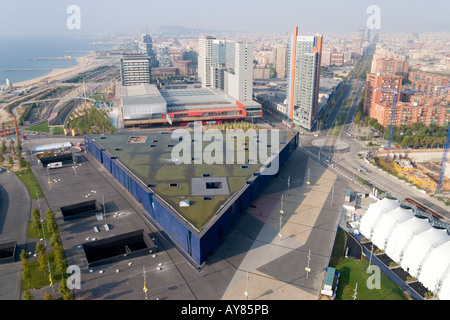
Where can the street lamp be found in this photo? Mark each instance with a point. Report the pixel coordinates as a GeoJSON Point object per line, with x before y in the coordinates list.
{"type": "Point", "coordinates": [307, 268]}
{"type": "Point", "coordinates": [48, 178]}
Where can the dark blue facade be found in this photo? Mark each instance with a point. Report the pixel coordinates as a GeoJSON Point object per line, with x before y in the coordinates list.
{"type": "Point", "coordinates": [195, 246]}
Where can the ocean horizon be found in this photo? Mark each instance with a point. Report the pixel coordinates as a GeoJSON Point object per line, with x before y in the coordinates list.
{"type": "Point", "coordinates": [18, 55]}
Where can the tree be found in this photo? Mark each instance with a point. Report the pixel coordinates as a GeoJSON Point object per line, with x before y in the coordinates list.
{"type": "Point", "coordinates": [27, 296]}
{"type": "Point", "coordinates": [52, 226]}
{"type": "Point", "coordinates": [25, 266]}
{"type": "Point", "coordinates": [63, 287]}
{"type": "Point", "coordinates": [358, 117]}
{"type": "Point", "coordinates": [11, 146]}
{"type": "Point", "coordinates": [36, 216]}
{"type": "Point", "coordinates": [22, 162]}
{"type": "Point", "coordinates": [48, 296]}
{"type": "Point", "coordinates": [40, 250]}
{"type": "Point", "coordinates": [378, 126]}
{"type": "Point", "coordinates": [23, 255]}
{"type": "Point", "coordinates": [416, 142]}
{"type": "Point", "coordinates": [60, 260]}
{"type": "Point", "coordinates": [407, 141]}
{"type": "Point", "coordinates": [55, 241]}
{"type": "Point", "coordinates": [67, 295]}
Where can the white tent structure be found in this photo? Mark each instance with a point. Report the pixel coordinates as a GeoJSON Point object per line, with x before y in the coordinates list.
{"type": "Point", "coordinates": [387, 223]}
{"type": "Point", "coordinates": [402, 236]}
{"type": "Point", "coordinates": [373, 214]}
{"type": "Point", "coordinates": [418, 247]}
{"type": "Point", "coordinates": [435, 272]}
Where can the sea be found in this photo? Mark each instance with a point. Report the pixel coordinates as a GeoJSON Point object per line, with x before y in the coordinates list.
{"type": "Point", "coordinates": [20, 57]}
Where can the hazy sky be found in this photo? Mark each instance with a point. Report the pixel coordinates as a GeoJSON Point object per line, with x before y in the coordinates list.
{"type": "Point", "coordinates": [48, 17]}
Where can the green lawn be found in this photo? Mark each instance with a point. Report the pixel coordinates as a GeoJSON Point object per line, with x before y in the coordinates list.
{"type": "Point", "coordinates": [42, 127]}
{"type": "Point", "coordinates": [41, 278]}
{"type": "Point", "coordinates": [30, 181]}
{"type": "Point", "coordinates": [37, 234]}
{"type": "Point", "coordinates": [58, 130]}
{"type": "Point", "coordinates": [353, 271]}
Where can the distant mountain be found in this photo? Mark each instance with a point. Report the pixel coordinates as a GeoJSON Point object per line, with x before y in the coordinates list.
{"type": "Point", "coordinates": [184, 31]}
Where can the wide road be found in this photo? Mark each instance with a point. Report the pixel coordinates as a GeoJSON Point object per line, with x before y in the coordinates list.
{"type": "Point", "coordinates": [345, 163]}
{"type": "Point", "coordinates": [15, 208]}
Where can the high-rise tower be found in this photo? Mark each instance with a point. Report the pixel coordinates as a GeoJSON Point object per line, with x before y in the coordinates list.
{"type": "Point", "coordinates": [239, 74]}
{"type": "Point", "coordinates": [205, 58]}
{"type": "Point", "coordinates": [303, 79]}
{"type": "Point", "coordinates": [135, 69]}
{"type": "Point", "coordinates": [280, 64]}
{"type": "Point", "coordinates": [145, 45]}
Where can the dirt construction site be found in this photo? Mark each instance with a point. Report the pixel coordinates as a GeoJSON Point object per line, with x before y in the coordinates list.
{"type": "Point", "coordinates": [419, 167]}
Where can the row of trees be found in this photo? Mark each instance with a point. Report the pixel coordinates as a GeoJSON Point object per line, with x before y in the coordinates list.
{"type": "Point", "coordinates": [416, 135]}
{"type": "Point", "coordinates": [12, 153]}
{"type": "Point", "coordinates": [50, 229]}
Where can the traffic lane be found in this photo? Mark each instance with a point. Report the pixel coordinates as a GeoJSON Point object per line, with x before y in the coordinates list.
{"type": "Point", "coordinates": [15, 211]}
{"type": "Point", "coordinates": [395, 187]}
{"type": "Point", "coordinates": [15, 208]}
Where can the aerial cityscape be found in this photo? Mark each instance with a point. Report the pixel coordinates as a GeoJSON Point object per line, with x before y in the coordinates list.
{"type": "Point", "coordinates": [248, 151]}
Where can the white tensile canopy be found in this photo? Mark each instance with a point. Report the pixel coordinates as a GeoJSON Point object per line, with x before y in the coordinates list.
{"type": "Point", "coordinates": [402, 236]}
{"type": "Point", "coordinates": [436, 269]}
{"type": "Point", "coordinates": [373, 213]}
{"type": "Point", "coordinates": [387, 223]}
{"type": "Point", "coordinates": [420, 249]}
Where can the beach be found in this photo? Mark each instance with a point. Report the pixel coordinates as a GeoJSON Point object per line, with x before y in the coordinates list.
{"type": "Point", "coordinates": [84, 63]}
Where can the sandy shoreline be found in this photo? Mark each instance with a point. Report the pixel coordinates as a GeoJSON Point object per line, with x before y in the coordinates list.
{"type": "Point", "coordinates": [84, 63]}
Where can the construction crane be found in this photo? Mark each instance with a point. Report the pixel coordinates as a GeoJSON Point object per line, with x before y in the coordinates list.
{"type": "Point", "coordinates": [391, 130]}
{"type": "Point", "coordinates": [444, 162]}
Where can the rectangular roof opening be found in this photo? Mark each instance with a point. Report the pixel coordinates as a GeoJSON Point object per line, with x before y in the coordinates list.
{"type": "Point", "coordinates": [214, 185]}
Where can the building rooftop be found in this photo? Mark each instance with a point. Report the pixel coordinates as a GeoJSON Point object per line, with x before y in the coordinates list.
{"type": "Point", "coordinates": [144, 89]}
{"type": "Point", "coordinates": [194, 96]}
{"type": "Point", "coordinates": [156, 160]}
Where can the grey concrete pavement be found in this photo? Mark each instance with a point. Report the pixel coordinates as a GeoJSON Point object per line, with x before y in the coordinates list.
{"type": "Point", "coordinates": [15, 208]}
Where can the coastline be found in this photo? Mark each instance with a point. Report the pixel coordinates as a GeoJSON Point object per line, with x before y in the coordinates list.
{"type": "Point", "coordinates": [84, 63]}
